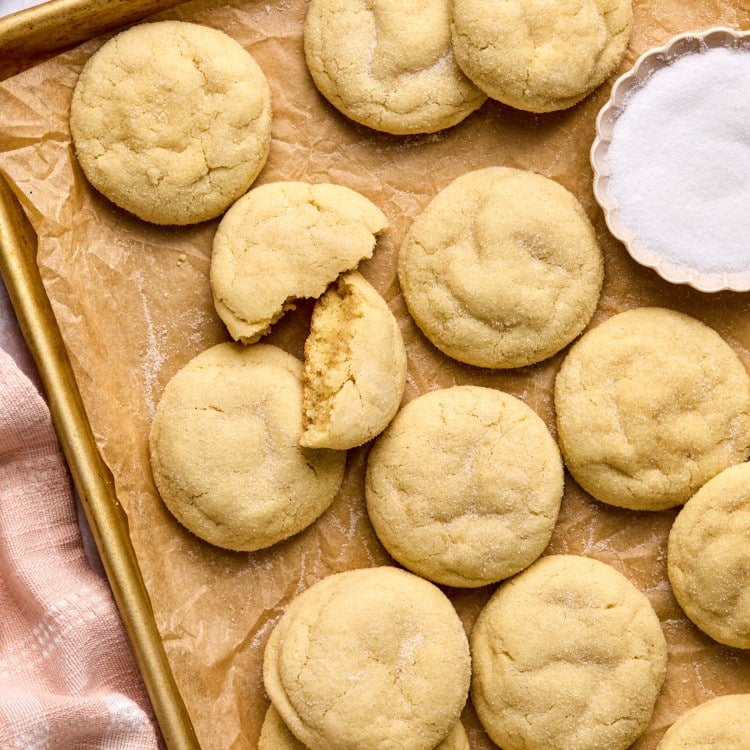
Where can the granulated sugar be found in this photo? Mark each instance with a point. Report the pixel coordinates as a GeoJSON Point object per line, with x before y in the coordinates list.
{"type": "Point", "coordinates": [679, 161]}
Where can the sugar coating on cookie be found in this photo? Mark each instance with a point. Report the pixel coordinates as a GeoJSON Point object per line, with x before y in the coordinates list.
{"type": "Point", "coordinates": [718, 724]}
{"type": "Point", "coordinates": [355, 366]}
{"type": "Point", "coordinates": [568, 655]}
{"type": "Point", "coordinates": [651, 404]}
{"type": "Point", "coordinates": [708, 557]}
{"type": "Point", "coordinates": [465, 485]}
{"type": "Point", "coordinates": [275, 735]}
{"type": "Point", "coordinates": [502, 269]}
{"type": "Point", "coordinates": [537, 55]}
{"type": "Point", "coordinates": [388, 64]}
{"type": "Point", "coordinates": [171, 121]}
{"type": "Point", "coordinates": [284, 241]}
{"type": "Point", "coordinates": [369, 658]}
{"type": "Point", "coordinates": [225, 451]}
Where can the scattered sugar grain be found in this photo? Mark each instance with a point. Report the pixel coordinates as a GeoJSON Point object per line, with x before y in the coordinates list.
{"type": "Point", "coordinates": [679, 161]}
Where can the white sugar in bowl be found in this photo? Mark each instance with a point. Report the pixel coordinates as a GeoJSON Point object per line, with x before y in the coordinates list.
{"type": "Point", "coordinates": [671, 160]}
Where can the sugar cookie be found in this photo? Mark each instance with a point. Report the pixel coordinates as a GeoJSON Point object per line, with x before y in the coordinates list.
{"type": "Point", "coordinates": [225, 453]}
{"type": "Point", "coordinates": [502, 269]}
{"type": "Point", "coordinates": [369, 658]}
{"type": "Point", "coordinates": [275, 735]}
{"type": "Point", "coordinates": [465, 485]}
{"type": "Point", "coordinates": [708, 557]}
{"type": "Point", "coordinates": [540, 56]}
{"type": "Point", "coordinates": [650, 405]}
{"type": "Point", "coordinates": [283, 241]}
{"type": "Point", "coordinates": [388, 64]}
{"type": "Point", "coordinates": [719, 724]}
{"type": "Point", "coordinates": [355, 367]}
{"type": "Point", "coordinates": [171, 121]}
{"type": "Point", "coordinates": [568, 655]}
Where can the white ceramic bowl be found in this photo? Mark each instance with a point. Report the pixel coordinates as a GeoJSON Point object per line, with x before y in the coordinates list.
{"type": "Point", "coordinates": [650, 61]}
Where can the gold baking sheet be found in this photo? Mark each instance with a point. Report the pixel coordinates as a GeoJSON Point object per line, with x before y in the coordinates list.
{"type": "Point", "coordinates": [133, 305]}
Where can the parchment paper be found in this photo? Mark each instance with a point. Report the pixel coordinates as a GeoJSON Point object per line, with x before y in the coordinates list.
{"type": "Point", "coordinates": [134, 305]}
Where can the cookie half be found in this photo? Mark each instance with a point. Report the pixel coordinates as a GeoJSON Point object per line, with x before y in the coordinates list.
{"type": "Point", "coordinates": [355, 366]}
{"type": "Point", "coordinates": [568, 655]}
{"type": "Point", "coordinates": [225, 451]}
{"type": "Point", "coordinates": [651, 404]}
{"type": "Point", "coordinates": [171, 121]}
{"type": "Point", "coordinates": [369, 658]}
{"type": "Point", "coordinates": [540, 56]}
{"type": "Point", "coordinates": [388, 64]}
{"type": "Point", "coordinates": [502, 269]}
{"type": "Point", "coordinates": [708, 557]}
{"type": "Point", "coordinates": [284, 241]}
{"type": "Point", "coordinates": [465, 485]}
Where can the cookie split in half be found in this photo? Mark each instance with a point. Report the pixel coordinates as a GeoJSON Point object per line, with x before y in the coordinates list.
{"type": "Point", "coordinates": [355, 366]}
{"type": "Point", "coordinates": [284, 241]}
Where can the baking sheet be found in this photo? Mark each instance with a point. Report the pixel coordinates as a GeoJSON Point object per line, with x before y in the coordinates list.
{"type": "Point", "coordinates": [133, 303]}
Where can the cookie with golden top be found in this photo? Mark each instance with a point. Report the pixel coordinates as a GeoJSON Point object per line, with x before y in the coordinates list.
{"type": "Point", "coordinates": [374, 657]}
{"type": "Point", "coordinates": [502, 269]}
{"type": "Point", "coordinates": [464, 486]}
{"type": "Point", "coordinates": [568, 655]}
{"type": "Point", "coordinates": [225, 450]}
{"type": "Point", "coordinates": [708, 557]}
{"type": "Point", "coordinates": [651, 404]}
{"type": "Point", "coordinates": [718, 724]}
{"type": "Point", "coordinates": [275, 735]}
{"type": "Point", "coordinates": [388, 64]}
{"type": "Point", "coordinates": [537, 55]}
{"type": "Point", "coordinates": [171, 121]}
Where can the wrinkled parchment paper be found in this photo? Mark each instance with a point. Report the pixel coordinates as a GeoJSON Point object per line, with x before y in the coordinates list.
{"type": "Point", "coordinates": [134, 305]}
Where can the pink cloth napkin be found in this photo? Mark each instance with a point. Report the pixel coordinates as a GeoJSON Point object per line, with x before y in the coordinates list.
{"type": "Point", "coordinates": [67, 677]}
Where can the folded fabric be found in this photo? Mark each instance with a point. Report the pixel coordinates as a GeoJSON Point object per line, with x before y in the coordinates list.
{"type": "Point", "coordinates": [67, 677]}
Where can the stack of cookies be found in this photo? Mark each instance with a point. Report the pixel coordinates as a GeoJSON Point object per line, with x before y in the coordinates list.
{"type": "Point", "coordinates": [369, 658]}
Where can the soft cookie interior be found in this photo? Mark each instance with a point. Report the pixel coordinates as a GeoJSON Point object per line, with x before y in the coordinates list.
{"type": "Point", "coordinates": [355, 367]}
